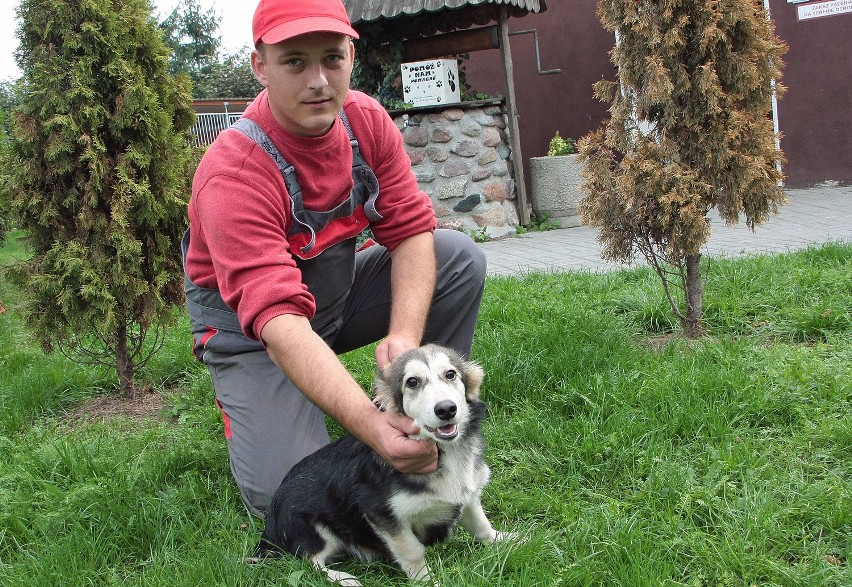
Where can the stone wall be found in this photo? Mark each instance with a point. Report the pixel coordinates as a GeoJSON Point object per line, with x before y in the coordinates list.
{"type": "Point", "coordinates": [462, 159]}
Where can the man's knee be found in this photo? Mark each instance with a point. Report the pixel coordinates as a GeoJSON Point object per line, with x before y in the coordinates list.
{"type": "Point", "coordinates": [459, 256]}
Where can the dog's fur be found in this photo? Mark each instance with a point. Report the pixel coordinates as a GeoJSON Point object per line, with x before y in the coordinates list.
{"type": "Point", "coordinates": [344, 500]}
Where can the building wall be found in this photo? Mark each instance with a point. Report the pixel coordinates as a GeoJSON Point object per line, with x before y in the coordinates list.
{"type": "Point", "coordinates": [571, 39]}
{"type": "Point", "coordinates": [815, 115]}
{"type": "Point", "coordinates": [225, 105]}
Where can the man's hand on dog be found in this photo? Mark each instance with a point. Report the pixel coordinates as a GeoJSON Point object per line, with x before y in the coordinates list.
{"type": "Point", "coordinates": [403, 453]}
{"type": "Point", "coordinates": [392, 346]}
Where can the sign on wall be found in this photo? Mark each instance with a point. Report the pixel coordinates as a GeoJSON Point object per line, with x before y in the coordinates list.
{"type": "Point", "coordinates": [823, 9]}
{"type": "Point", "coordinates": [426, 83]}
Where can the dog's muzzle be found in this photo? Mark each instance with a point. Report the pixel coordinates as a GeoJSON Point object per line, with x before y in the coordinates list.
{"type": "Point", "coordinates": [445, 410]}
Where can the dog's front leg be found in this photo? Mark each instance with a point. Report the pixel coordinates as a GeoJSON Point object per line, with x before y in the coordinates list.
{"type": "Point", "coordinates": [409, 552]}
{"type": "Point", "coordinates": [474, 520]}
{"type": "Point", "coordinates": [339, 577]}
{"type": "Point", "coordinates": [332, 546]}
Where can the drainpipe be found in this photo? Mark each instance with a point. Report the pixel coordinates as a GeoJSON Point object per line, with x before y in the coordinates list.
{"type": "Point", "coordinates": [775, 124]}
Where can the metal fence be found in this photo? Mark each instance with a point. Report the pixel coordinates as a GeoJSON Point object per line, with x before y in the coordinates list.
{"type": "Point", "coordinates": [208, 126]}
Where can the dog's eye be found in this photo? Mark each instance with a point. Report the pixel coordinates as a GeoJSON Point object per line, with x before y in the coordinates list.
{"type": "Point", "coordinates": [450, 374]}
{"type": "Point", "coordinates": [412, 383]}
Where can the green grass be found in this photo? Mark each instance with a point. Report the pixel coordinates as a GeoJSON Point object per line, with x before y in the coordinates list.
{"type": "Point", "coordinates": [622, 459]}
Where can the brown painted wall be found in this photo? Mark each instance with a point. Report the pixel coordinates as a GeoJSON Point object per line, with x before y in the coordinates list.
{"type": "Point", "coordinates": [571, 39]}
{"type": "Point", "coordinates": [815, 115]}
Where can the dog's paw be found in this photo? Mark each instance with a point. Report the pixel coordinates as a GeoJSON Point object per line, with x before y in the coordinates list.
{"type": "Point", "coordinates": [507, 537]}
{"type": "Point", "coordinates": [342, 579]}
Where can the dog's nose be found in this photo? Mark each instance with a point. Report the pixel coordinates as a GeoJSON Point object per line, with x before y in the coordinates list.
{"type": "Point", "coordinates": [445, 410]}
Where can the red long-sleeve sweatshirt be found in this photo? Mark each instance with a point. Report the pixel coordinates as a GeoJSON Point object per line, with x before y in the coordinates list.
{"type": "Point", "coordinates": [239, 212]}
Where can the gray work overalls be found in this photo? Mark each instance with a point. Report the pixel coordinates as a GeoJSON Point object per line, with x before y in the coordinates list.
{"type": "Point", "coordinates": [269, 424]}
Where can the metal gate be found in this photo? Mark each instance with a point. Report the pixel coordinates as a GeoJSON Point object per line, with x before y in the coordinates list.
{"type": "Point", "coordinates": [208, 126]}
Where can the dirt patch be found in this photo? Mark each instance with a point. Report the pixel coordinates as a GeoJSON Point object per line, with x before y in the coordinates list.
{"type": "Point", "coordinates": [148, 404]}
{"type": "Point", "coordinates": [659, 342]}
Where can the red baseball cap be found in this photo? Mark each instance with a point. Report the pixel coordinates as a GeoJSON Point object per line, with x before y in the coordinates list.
{"type": "Point", "coordinates": [277, 20]}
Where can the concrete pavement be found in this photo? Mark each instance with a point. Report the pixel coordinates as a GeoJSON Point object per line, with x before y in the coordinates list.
{"type": "Point", "coordinates": [812, 217]}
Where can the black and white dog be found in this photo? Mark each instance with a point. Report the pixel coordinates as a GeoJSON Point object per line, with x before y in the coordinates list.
{"type": "Point", "coordinates": [345, 501]}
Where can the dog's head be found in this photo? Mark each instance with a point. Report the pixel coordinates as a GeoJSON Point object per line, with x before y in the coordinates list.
{"type": "Point", "coordinates": [435, 387]}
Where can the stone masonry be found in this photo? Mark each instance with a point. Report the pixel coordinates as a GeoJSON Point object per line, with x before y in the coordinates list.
{"type": "Point", "coordinates": [462, 160]}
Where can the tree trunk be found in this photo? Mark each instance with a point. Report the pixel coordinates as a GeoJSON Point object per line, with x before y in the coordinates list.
{"type": "Point", "coordinates": [694, 290]}
{"type": "Point", "coordinates": [124, 364]}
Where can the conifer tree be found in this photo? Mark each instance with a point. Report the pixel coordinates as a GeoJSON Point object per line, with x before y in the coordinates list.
{"type": "Point", "coordinates": [98, 176]}
{"type": "Point", "coordinates": [7, 102]}
{"type": "Point", "coordinates": [689, 130]}
{"type": "Point", "coordinates": [192, 34]}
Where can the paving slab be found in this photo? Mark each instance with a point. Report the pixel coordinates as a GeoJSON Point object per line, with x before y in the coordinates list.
{"type": "Point", "coordinates": [813, 216]}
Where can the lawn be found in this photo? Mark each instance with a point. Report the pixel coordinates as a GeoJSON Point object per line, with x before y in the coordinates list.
{"type": "Point", "coordinates": [623, 455]}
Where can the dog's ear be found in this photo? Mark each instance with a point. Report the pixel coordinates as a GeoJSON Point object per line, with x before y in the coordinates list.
{"type": "Point", "coordinates": [383, 396]}
{"type": "Point", "coordinates": [472, 374]}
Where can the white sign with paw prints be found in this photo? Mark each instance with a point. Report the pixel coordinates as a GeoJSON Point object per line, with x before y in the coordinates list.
{"type": "Point", "coordinates": [431, 83]}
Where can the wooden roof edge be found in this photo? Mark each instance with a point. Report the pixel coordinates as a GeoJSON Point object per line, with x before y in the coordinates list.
{"type": "Point", "coordinates": [368, 11]}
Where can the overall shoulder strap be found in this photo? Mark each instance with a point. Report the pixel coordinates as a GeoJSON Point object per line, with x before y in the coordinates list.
{"type": "Point", "coordinates": [253, 131]}
{"type": "Point", "coordinates": [362, 173]}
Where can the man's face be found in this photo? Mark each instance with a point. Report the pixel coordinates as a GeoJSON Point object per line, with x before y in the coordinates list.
{"type": "Point", "coordinates": [308, 78]}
